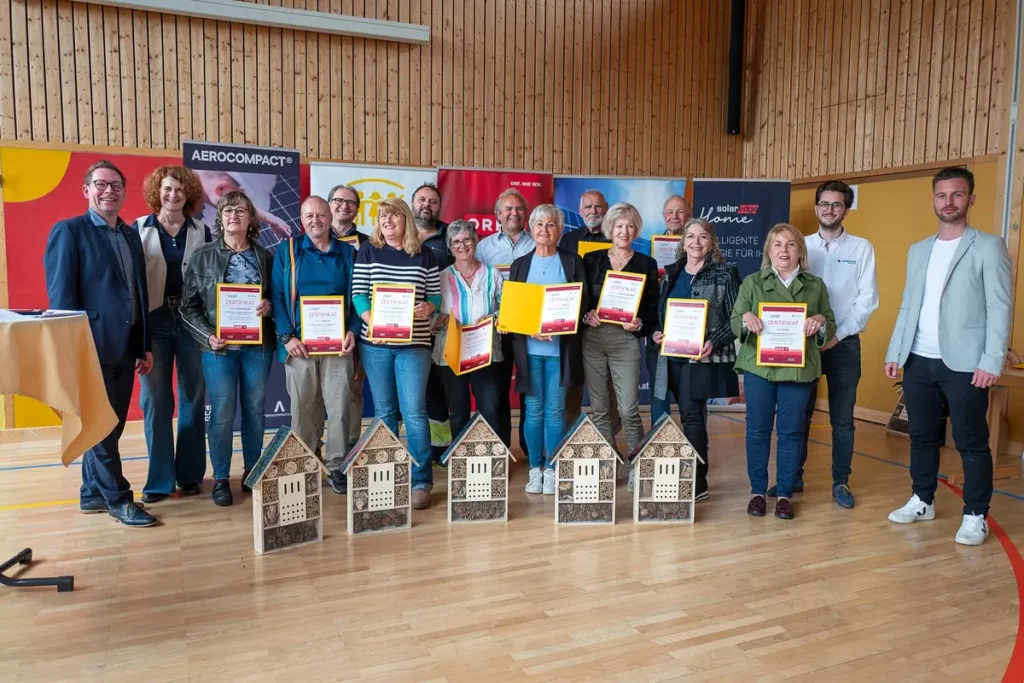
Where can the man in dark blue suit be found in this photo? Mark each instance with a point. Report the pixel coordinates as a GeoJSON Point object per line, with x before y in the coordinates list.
{"type": "Point", "coordinates": [95, 263]}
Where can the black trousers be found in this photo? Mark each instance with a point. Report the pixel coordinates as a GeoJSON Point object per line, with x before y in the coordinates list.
{"type": "Point", "coordinates": [694, 419]}
{"type": "Point", "coordinates": [485, 385]}
{"type": "Point", "coordinates": [926, 381]}
{"type": "Point", "coordinates": [102, 477]}
{"type": "Point", "coordinates": [437, 412]}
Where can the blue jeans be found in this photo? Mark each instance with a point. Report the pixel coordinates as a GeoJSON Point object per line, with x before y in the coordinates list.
{"type": "Point", "coordinates": [841, 366]}
{"type": "Point", "coordinates": [398, 381]}
{"type": "Point", "coordinates": [186, 463]}
{"type": "Point", "coordinates": [230, 376]}
{"type": "Point", "coordinates": [545, 409]}
{"type": "Point", "coordinates": [659, 406]}
{"type": "Point", "coordinates": [785, 404]}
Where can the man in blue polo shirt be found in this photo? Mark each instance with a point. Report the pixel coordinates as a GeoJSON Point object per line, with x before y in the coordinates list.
{"type": "Point", "coordinates": [316, 264]}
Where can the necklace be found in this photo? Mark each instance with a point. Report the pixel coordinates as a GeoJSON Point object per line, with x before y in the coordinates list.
{"type": "Point", "coordinates": [548, 261]}
{"type": "Point", "coordinates": [619, 261]}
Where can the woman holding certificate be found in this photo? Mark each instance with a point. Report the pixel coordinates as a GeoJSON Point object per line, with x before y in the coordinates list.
{"type": "Point", "coordinates": [624, 291]}
{"type": "Point", "coordinates": [470, 298]}
{"type": "Point", "coordinates": [395, 290]}
{"type": "Point", "coordinates": [546, 364]}
{"type": "Point", "coordinates": [224, 303]}
{"type": "Point", "coordinates": [782, 317]}
{"type": "Point", "coordinates": [695, 337]}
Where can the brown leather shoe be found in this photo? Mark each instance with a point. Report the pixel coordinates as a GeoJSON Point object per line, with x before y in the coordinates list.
{"type": "Point", "coordinates": [756, 507]}
{"type": "Point", "coordinates": [420, 499]}
{"type": "Point", "coordinates": [784, 509]}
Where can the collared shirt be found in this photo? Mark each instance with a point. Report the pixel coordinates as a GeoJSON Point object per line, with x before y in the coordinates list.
{"type": "Point", "coordinates": [499, 249]}
{"type": "Point", "coordinates": [467, 302]}
{"type": "Point", "coordinates": [118, 239]}
{"type": "Point", "coordinates": [847, 265]}
{"type": "Point", "coordinates": [789, 280]}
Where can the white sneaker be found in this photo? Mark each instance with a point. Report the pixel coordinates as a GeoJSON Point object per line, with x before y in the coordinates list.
{"type": "Point", "coordinates": [549, 482]}
{"type": "Point", "coordinates": [973, 530]}
{"type": "Point", "coordinates": [915, 510]}
{"type": "Point", "coordinates": [631, 482]}
{"type": "Point", "coordinates": [535, 484]}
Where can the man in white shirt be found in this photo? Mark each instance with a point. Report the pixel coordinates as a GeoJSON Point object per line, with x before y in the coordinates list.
{"type": "Point", "coordinates": [950, 338]}
{"type": "Point", "coordinates": [846, 263]}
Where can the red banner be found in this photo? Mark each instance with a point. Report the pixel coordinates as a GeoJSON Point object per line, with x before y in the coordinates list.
{"type": "Point", "coordinates": [470, 194]}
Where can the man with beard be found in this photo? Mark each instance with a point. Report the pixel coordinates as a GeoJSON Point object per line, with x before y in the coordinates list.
{"type": "Point", "coordinates": [846, 263]}
{"type": "Point", "coordinates": [593, 207]}
{"type": "Point", "coordinates": [950, 338]}
{"type": "Point", "coordinates": [676, 211]}
{"type": "Point", "coordinates": [426, 207]}
{"type": "Point", "coordinates": [500, 250]}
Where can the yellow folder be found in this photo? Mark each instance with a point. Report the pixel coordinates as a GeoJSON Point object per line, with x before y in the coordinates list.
{"type": "Point", "coordinates": [521, 305]}
{"type": "Point", "coordinates": [587, 247]}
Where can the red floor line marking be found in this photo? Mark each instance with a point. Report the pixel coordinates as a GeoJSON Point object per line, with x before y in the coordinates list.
{"type": "Point", "coordinates": [1015, 667]}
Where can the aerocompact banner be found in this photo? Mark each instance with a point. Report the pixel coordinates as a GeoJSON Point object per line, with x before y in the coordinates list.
{"type": "Point", "coordinates": [648, 195]}
{"type": "Point", "coordinates": [270, 178]}
{"type": "Point", "coordinates": [470, 194]}
{"type": "Point", "coordinates": [372, 184]}
{"type": "Point", "coordinates": [742, 211]}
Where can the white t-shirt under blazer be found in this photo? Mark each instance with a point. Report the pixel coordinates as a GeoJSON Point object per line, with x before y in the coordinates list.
{"type": "Point", "coordinates": [926, 340]}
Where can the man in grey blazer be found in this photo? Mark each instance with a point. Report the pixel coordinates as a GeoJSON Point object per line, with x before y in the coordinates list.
{"type": "Point", "coordinates": [950, 339]}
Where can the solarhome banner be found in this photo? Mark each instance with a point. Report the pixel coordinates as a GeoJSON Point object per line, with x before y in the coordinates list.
{"type": "Point", "coordinates": [742, 211]}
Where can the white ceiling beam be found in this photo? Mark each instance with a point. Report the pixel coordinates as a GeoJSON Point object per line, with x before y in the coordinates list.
{"type": "Point", "coordinates": [281, 17]}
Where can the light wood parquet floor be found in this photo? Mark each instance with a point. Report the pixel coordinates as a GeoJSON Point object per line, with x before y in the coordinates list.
{"type": "Point", "coordinates": [832, 595]}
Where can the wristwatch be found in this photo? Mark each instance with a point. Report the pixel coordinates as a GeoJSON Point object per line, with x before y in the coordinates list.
{"type": "Point", "coordinates": [284, 338]}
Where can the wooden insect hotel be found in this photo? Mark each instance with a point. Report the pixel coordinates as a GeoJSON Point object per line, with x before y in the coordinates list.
{"type": "Point", "coordinates": [379, 482]}
{"type": "Point", "coordinates": [286, 495]}
{"type": "Point", "coordinates": [666, 466]}
{"type": "Point", "coordinates": [585, 466]}
{"type": "Point", "coordinates": [477, 464]}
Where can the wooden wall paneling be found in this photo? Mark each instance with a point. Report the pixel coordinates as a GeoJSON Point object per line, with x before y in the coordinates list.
{"type": "Point", "coordinates": [880, 79]}
{"type": "Point", "coordinates": [783, 106]}
{"type": "Point", "coordinates": [196, 32]}
{"type": "Point", "coordinates": [870, 93]}
{"type": "Point", "coordinates": [112, 68]}
{"type": "Point", "coordinates": [169, 97]}
{"type": "Point", "coordinates": [301, 86]}
{"type": "Point", "coordinates": [897, 8]}
{"type": "Point", "coordinates": [486, 33]}
{"type": "Point", "coordinates": [935, 80]}
{"type": "Point", "coordinates": [128, 94]}
{"type": "Point", "coordinates": [65, 37]}
{"type": "Point", "coordinates": [83, 92]}
{"type": "Point", "coordinates": [840, 89]}
{"type": "Point", "coordinates": [923, 80]}
{"type": "Point", "coordinates": [694, 101]}
{"type": "Point", "coordinates": [591, 87]}
{"type": "Point", "coordinates": [276, 76]}
{"type": "Point", "coordinates": [436, 56]}
{"type": "Point", "coordinates": [985, 62]}
{"type": "Point", "coordinates": [502, 82]}
{"type": "Point", "coordinates": [525, 108]}
{"type": "Point", "coordinates": [390, 92]}
{"type": "Point", "coordinates": [345, 86]}
{"type": "Point", "coordinates": [224, 101]}
{"type": "Point", "coordinates": [313, 94]}
{"type": "Point", "coordinates": [455, 117]}
{"type": "Point", "coordinates": [623, 43]}
{"type": "Point", "coordinates": [359, 101]}
{"type": "Point", "coordinates": [446, 20]}
{"type": "Point", "coordinates": [1002, 75]}
{"type": "Point", "coordinates": [751, 85]}
{"type": "Point", "coordinates": [645, 89]}
{"type": "Point", "coordinates": [907, 110]}
{"type": "Point", "coordinates": [261, 79]}
{"type": "Point", "coordinates": [764, 85]}
{"type": "Point", "coordinates": [855, 127]}
{"type": "Point", "coordinates": [8, 108]}
{"type": "Point", "coordinates": [408, 118]}
{"type": "Point", "coordinates": [805, 64]}
{"type": "Point", "coordinates": [36, 68]}
{"type": "Point", "coordinates": [143, 71]}
{"type": "Point", "coordinates": [561, 85]}
{"type": "Point", "coordinates": [322, 94]}
{"type": "Point", "coordinates": [948, 77]}
{"type": "Point", "coordinates": [974, 12]}
{"type": "Point", "coordinates": [288, 72]}
{"type": "Point", "coordinates": [332, 83]}
{"type": "Point", "coordinates": [186, 104]}
{"type": "Point", "coordinates": [52, 72]}
{"type": "Point", "coordinates": [960, 55]}
{"type": "Point", "coordinates": [552, 33]}
{"type": "Point", "coordinates": [627, 67]}
{"type": "Point", "coordinates": [475, 116]}
{"type": "Point", "coordinates": [667, 109]}
{"type": "Point", "coordinates": [770, 128]}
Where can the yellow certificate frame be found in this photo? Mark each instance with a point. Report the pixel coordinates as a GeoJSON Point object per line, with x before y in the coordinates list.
{"type": "Point", "coordinates": [217, 327]}
{"type": "Point", "coordinates": [302, 328]}
{"type": "Point", "coordinates": [411, 321]}
{"type": "Point", "coordinates": [604, 288]}
{"type": "Point", "coordinates": [803, 351]}
{"type": "Point", "coordinates": [703, 303]}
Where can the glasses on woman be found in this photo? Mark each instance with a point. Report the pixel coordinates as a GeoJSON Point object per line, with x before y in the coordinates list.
{"type": "Point", "coordinates": [235, 211]}
{"type": "Point", "coordinates": [462, 243]}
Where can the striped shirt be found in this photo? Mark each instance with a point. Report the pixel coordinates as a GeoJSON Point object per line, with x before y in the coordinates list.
{"type": "Point", "coordinates": [387, 265]}
{"type": "Point", "coordinates": [468, 302]}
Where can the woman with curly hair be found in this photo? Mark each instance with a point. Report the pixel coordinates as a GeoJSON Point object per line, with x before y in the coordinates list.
{"type": "Point", "coordinates": [169, 238]}
{"type": "Point", "coordinates": [232, 371]}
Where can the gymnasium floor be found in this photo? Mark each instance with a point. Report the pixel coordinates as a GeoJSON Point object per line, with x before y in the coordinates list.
{"type": "Point", "coordinates": [832, 595]}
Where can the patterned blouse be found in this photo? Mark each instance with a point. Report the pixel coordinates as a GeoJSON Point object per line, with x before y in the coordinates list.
{"type": "Point", "coordinates": [468, 302]}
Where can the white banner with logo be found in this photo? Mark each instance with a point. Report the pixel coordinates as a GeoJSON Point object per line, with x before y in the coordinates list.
{"type": "Point", "coordinates": [373, 183]}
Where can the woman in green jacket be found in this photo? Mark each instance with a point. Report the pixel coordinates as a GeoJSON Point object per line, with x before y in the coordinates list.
{"type": "Point", "coordinates": [778, 393]}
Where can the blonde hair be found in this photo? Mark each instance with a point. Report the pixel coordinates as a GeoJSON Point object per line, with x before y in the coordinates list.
{"type": "Point", "coordinates": [621, 210]}
{"type": "Point", "coordinates": [392, 206]}
{"type": "Point", "coordinates": [706, 226]}
{"type": "Point", "coordinates": [798, 237]}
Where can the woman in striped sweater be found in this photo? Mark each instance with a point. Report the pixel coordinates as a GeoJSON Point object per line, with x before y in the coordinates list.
{"type": "Point", "coordinates": [398, 371]}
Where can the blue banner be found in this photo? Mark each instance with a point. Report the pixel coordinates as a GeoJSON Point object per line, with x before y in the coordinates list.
{"type": "Point", "coordinates": [742, 211]}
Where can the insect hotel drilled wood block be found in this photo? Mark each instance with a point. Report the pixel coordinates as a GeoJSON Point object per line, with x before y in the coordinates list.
{"type": "Point", "coordinates": [585, 467]}
{"type": "Point", "coordinates": [665, 466]}
{"type": "Point", "coordinates": [477, 464]}
{"type": "Point", "coordinates": [379, 482]}
{"type": "Point", "coordinates": [286, 495]}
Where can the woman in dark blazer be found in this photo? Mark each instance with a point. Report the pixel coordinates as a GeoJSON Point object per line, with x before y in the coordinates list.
{"type": "Point", "coordinates": [700, 272]}
{"type": "Point", "coordinates": [547, 365]}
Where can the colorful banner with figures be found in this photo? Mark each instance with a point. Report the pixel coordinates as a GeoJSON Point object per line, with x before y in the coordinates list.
{"type": "Point", "coordinates": [648, 195]}
{"type": "Point", "coordinates": [742, 211]}
{"type": "Point", "coordinates": [270, 178]}
{"type": "Point", "coordinates": [372, 184]}
{"type": "Point", "coordinates": [470, 193]}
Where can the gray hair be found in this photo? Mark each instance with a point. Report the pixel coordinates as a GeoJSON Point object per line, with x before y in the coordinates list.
{"type": "Point", "coordinates": [510, 192]}
{"type": "Point", "coordinates": [618, 211]}
{"type": "Point", "coordinates": [458, 227]}
{"type": "Point", "coordinates": [354, 191]}
{"type": "Point", "coordinates": [547, 211]}
{"type": "Point", "coordinates": [680, 197]}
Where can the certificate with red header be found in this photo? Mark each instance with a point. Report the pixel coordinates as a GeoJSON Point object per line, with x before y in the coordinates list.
{"type": "Point", "coordinates": [468, 348]}
{"type": "Point", "coordinates": [620, 297]}
{"type": "Point", "coordinates": [560, 308]}
{"type": "Point", "coordinates": [322, 324]}
{"type": "Point", "coordinates": [237, 320]}
{"type": "Point", "coordinates": [663, 249]}
{"type": "Point", "coordinates": [782, 342]}
{"type": "Point", "coordinates": [685, 321]}
{"type": "Point", "coordinates": [352, 240]}
{"type": "Point", "coordinates": [391, 313]}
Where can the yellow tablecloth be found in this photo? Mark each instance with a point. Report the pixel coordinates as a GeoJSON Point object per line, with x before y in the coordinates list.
{"type": "Point", "coordinates": [53, 360]}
